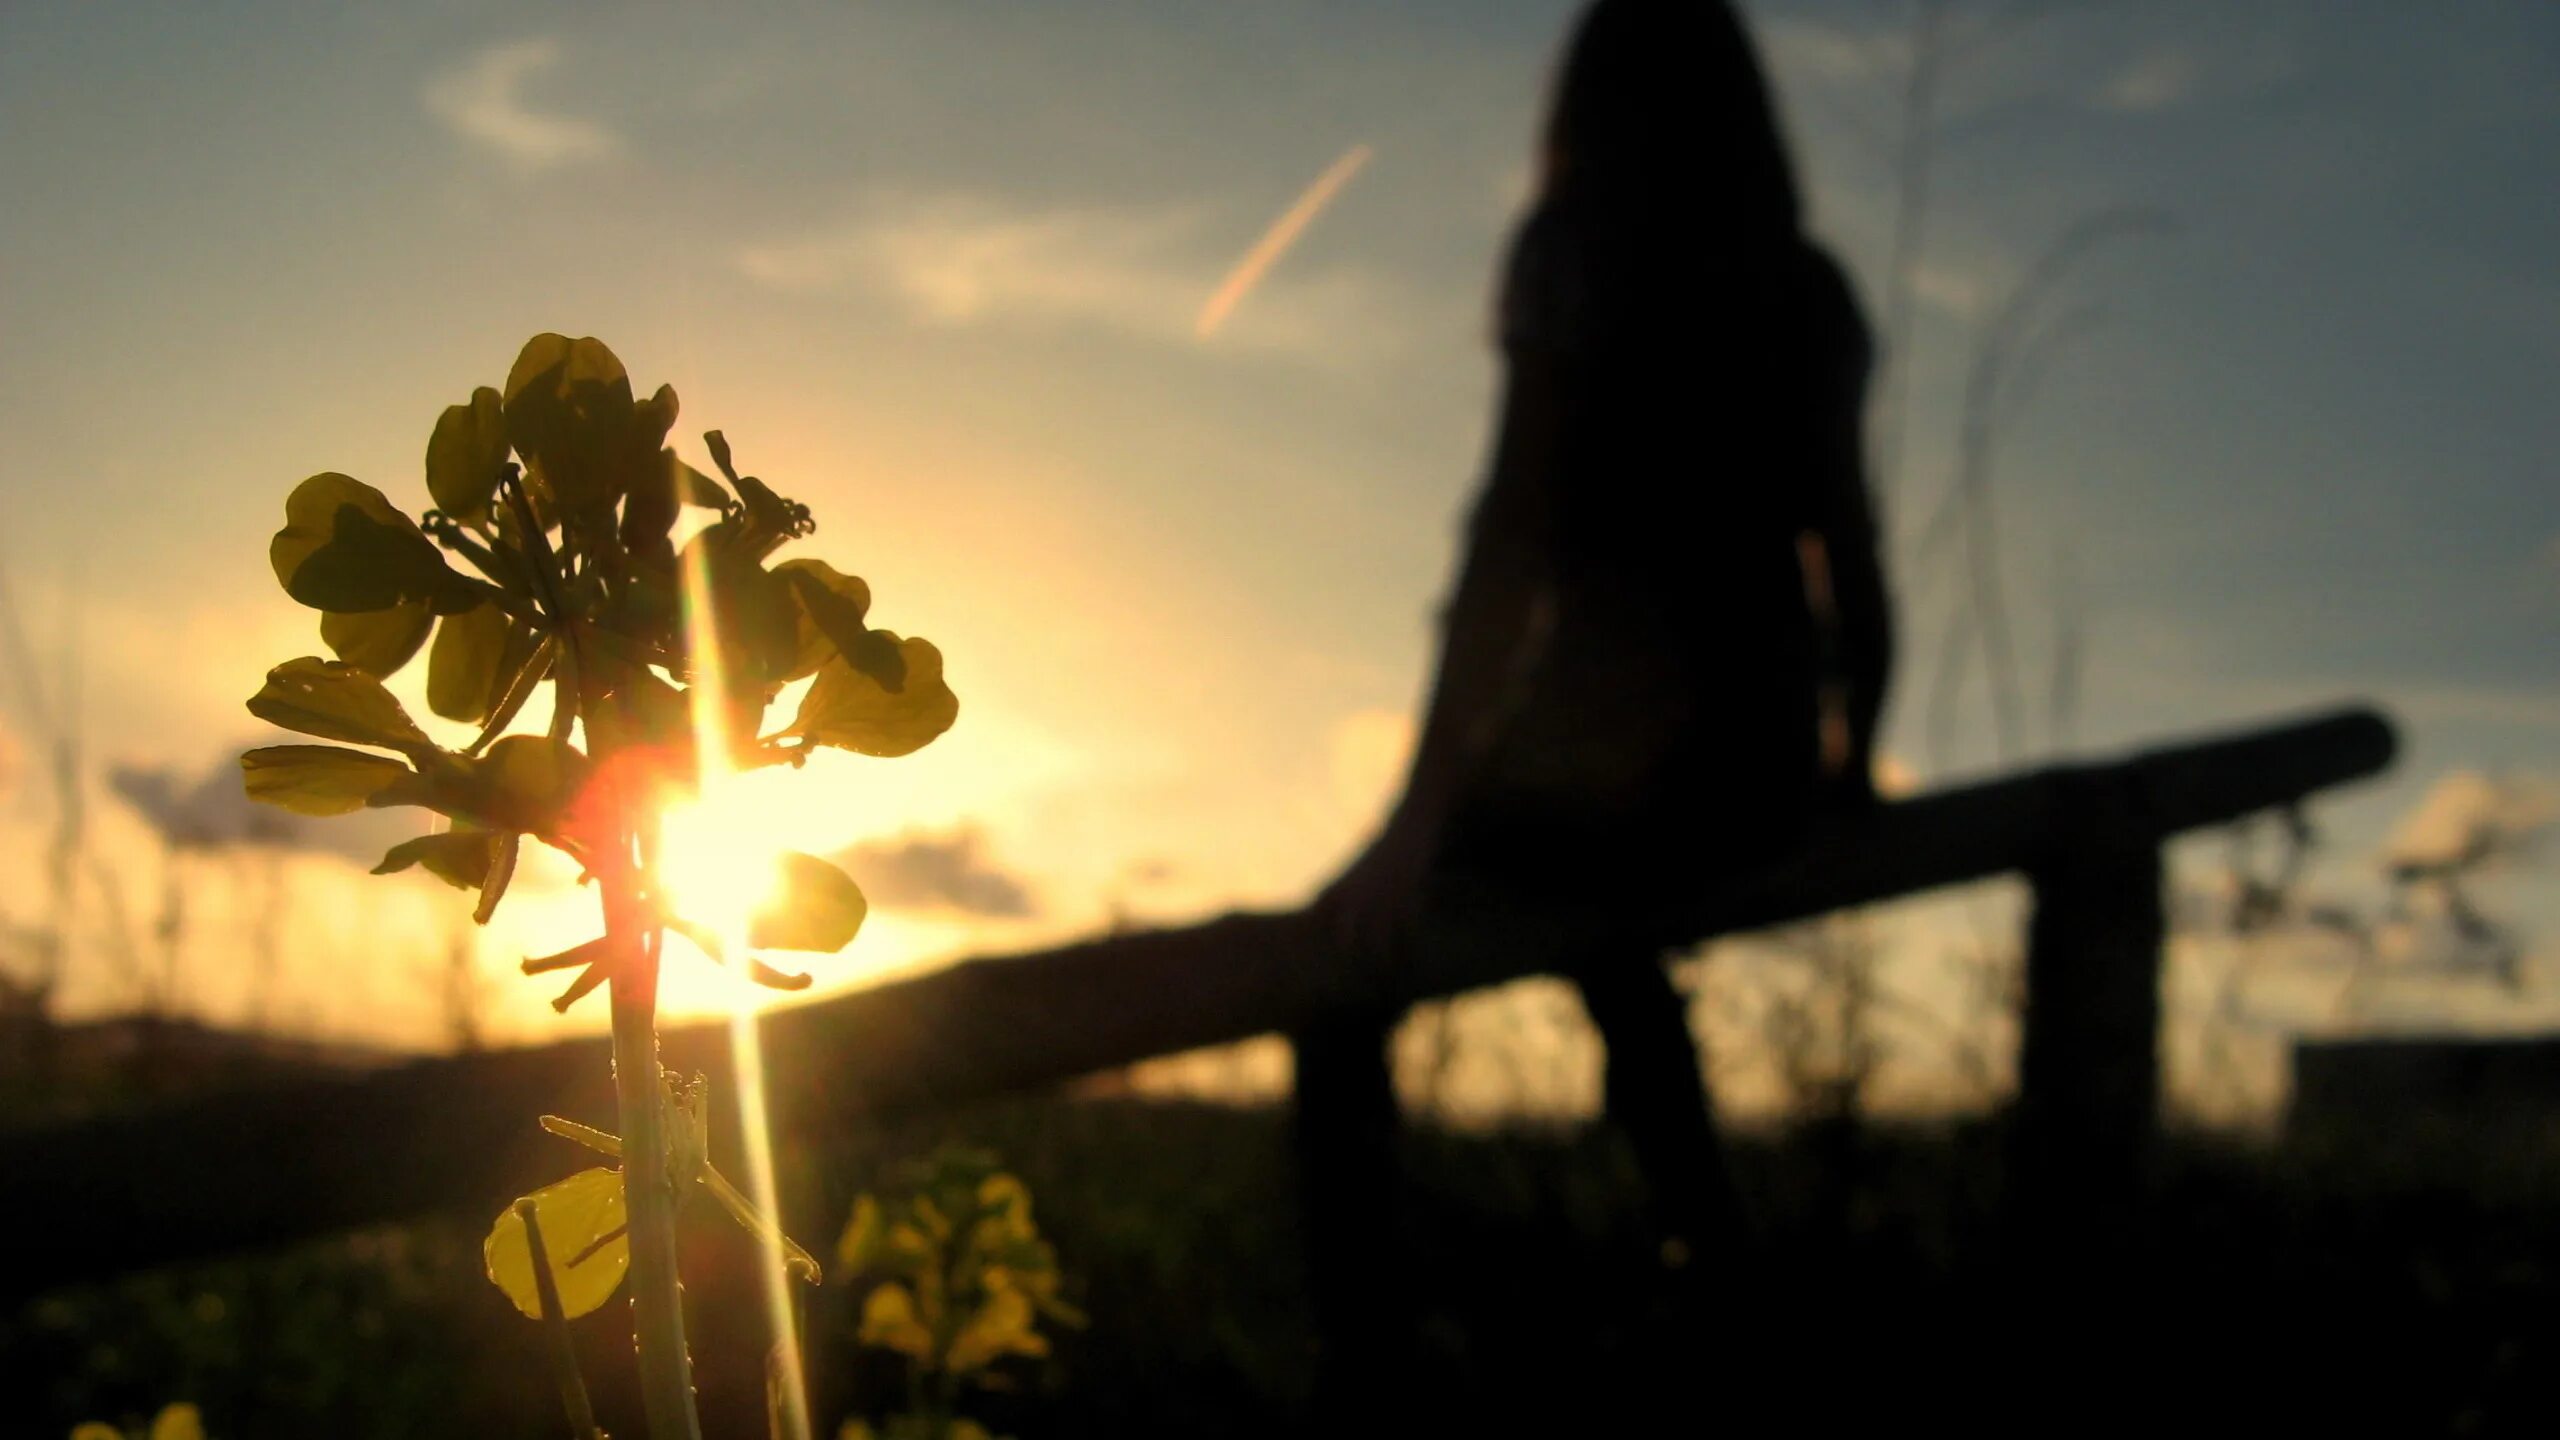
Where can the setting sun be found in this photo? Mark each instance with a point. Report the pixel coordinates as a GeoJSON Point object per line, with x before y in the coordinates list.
{"type": "Point", "coordinates": [719, 859]}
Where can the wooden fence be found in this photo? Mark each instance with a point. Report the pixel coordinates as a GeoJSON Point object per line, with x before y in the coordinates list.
{"type": "Point", "coordinates": [236, 1171]}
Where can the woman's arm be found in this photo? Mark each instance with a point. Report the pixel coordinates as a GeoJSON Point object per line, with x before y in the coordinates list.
{"type": "Point", "coordinates": [1844, 515]}
{"type": "Point", "coordinates": [1494, 628]}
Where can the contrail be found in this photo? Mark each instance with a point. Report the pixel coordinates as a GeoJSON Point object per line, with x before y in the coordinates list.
{"type": "Point", "coordinates": [1275, 242]}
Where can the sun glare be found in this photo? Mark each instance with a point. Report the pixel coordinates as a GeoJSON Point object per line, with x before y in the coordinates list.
{"type": "Point", "coordinates": [719, 859]}
{"type": "Point", "coordinates": [718, 852]}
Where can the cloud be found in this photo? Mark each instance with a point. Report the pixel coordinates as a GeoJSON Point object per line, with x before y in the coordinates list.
{"type": "Point", "coordinates": [1831, 54]}
{"type": "Point", "coordinates": [2467, 813]}
{"type": "Point", "coordinates": [210, 811]}
{"type": "Point", "coordinates": [1274, 245]}
{"type": "Point", "coordinates": [1957, 293]}
{"type": "Point", "coordinates": [2157, 80]}
{"type": "Point", "coordinates": [481, 100]}
{"type": "Point", "coordinates": [917, 871]}
{"type": "Point", "coordinates": [1151, 870]}
{"type": "Point", "coordinates": [961, 260]}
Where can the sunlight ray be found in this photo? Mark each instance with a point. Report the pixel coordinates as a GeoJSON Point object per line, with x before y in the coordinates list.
{"type": "Point", "coordinates": [731, 849]}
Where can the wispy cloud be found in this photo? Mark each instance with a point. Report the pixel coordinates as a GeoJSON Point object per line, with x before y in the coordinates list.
{"type": "Point", "coordinates": [2469, 813]}
{"type": "Point", "coordinates": [949, 873]}
{"type": "Point", "coordinates": [482, 100]}
{"type": "Point", "coordinates": [2157, 80]}
{"type": "Point", "coordinates": [1958, 291]}
{"type": "Point", "coordinates": [961, 260]}
{"type": "Point", "coordinates": [1831, 53]}
{"type": "Point", "coordinates": [1275, 242]}
{"type": "Point", "coordinates": [208, 810]}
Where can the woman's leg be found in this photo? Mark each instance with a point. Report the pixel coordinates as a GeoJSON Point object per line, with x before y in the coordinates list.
{"type": "Point", "coordinates": [1656, 1094]}
{"type": "Point", "coordinates": [1343, 1132]}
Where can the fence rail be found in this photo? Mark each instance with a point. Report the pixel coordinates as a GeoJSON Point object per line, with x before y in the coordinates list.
{"type": "Point", "coordinates": [236, 1171]}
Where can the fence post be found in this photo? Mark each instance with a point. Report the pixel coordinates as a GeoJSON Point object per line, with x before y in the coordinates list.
{"type": "Point", "coordinates": [1343, 1134]}
{"type": "Point", "coordinates": [2089, 1060]}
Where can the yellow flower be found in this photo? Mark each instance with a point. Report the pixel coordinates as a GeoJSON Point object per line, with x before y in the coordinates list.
{"type": "Point", "coordinates": [174, 1422]}
{"type": "Point", "coordinates": [890, 1321]}
{"type": "Point", "coordinates": [1001, 1327]}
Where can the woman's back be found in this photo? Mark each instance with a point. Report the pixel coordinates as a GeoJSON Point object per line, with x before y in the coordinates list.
{"type": "Point", "coordinates": [1684, 420]}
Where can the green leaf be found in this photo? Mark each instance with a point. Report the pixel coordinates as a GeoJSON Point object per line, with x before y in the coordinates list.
{"type": "Point", "coordinates": [519, 686]}
{"type": "Point", "coordinates": [718, 445]}
{"type": "Point", "coordinates": [583, 1238]}
{"type": "Point", "coordinates": [526, 781]}
{"type": "Point", "coordinates": [336, 701]}
{"type": "Point", "coordinates": [762, 514]}
{"type": "Point", "coordinates": [854, 711]}
{"type": "Point", "coordinates": [876, 654]}
{"type": "Point", "coordinates": [815, 906]}
{"type": "Point", "coordinates": [502, 872]}
{"type": "Point", "coordinates": [458, 857]}
{"type": "Point", "coordinates": [569, 413]}
{"type": "Point", "coordinates": [318, 779]}
{"type": "Point", "coordinates": [693, 487]}
{"type": "Point", "coordinates": [464, 455]}
{"type": "Point", "coordinates": [345, 548]}
{"type": "Point", "coordinates": [832, 605]}
{"type": "Point", "coordinates": [524, 784]}
{"type": "Point", "coordinates": [660, 714]}
{"type": "Point", "coordinates": [378, 642]}
{"type": "Point", "coordinates": [652, 418]}
{"type": "Point", "coordinates": [466, 672]}
{"type": "Point", "coordinates": [657, 495]}
{"type": "Point", "coordinates": [753, 611]}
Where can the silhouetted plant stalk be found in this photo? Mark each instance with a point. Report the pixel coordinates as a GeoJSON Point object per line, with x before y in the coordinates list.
{"type": "Point", "coordinates": [52, 722]}
{"type": "Point", "coordinates": [1944, 39]}
{"type": "Point", "coordinates": [2009, 357]}
{"type": "Point", "coordinates": [555, 1325]}
{"type": "Point", "coordinates": [580, 583]}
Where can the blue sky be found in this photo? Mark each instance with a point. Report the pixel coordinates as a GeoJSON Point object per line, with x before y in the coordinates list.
{"type": "Point", "coordinates": [933, 267]}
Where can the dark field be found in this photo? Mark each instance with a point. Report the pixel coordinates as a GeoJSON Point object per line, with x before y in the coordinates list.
{"type": "Point", "coordinates": [2398, 1285]}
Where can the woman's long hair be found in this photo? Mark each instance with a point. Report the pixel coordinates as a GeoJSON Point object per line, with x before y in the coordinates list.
{"type": "Point", "coordinates": [1662, 103]}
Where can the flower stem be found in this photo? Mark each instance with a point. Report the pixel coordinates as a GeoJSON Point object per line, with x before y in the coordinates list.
{"type": "Point", "coordinates": [657, 1299]}
{"type": "Point", "coordinates": [564, 1354]}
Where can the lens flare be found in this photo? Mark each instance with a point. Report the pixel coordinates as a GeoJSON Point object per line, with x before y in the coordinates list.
{"type": "Point", "coordinates": [718, 859]}
{"type": "Point", "coordinates": [728, 867]}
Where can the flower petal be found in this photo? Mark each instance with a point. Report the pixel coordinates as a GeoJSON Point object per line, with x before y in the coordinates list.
{"type": "Point", "coordinates": [583, 1237]}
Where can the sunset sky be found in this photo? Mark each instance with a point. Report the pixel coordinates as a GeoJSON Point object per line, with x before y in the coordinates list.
{"type": "Point", "coordinates": [939, 270]}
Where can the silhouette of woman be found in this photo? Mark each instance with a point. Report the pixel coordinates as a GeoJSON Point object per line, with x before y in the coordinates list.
{"type": "Point", "coordinates": [1669, 639]}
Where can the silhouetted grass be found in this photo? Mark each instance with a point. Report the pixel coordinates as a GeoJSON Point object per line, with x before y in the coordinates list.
{"type": "Point", "coordinates": [2380, 1284]}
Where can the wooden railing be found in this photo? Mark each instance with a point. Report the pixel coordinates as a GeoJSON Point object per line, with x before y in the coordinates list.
{"type": "Point", "coordinates": [236, 1171]}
